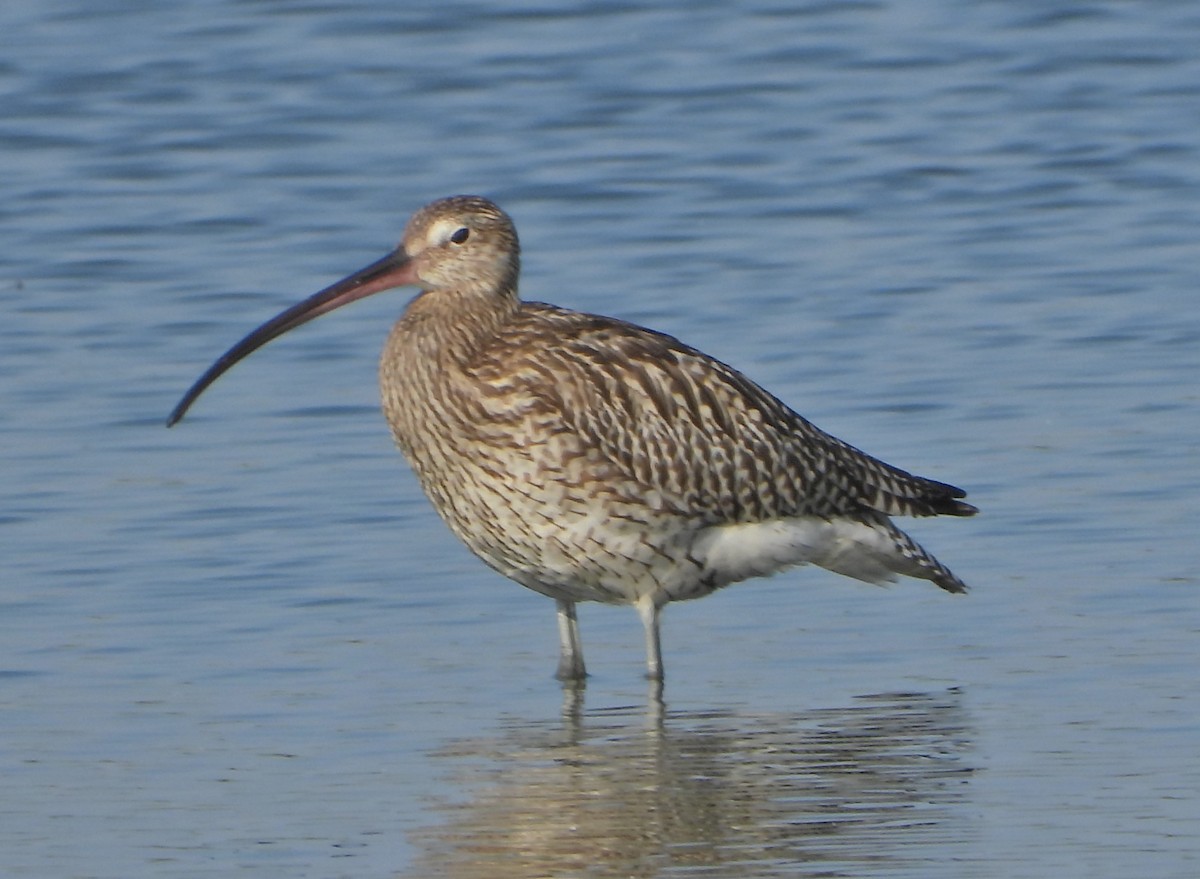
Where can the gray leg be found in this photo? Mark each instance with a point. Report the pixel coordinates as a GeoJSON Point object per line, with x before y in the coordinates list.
{"type": "Point", "coordinates": [570, 656]}
{"type": "Point", "coordinates": [648, 611]}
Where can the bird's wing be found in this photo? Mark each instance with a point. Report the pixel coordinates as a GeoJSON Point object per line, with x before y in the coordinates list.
{"type": "Point", "coordinates": [706, 438]}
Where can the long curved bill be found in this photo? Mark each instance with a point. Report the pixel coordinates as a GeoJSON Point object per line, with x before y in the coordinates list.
{"type": "Point", "coordinates": [394, 270]}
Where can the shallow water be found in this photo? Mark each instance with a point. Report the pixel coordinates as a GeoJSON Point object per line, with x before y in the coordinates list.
{"type": "Point", "coordinates": [960, 237]}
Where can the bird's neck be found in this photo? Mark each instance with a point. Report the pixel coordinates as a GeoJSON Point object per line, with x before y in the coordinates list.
{"type": "Point", "coordinates": [450, 327]}
{"type": "Point", "coordinates": [425, 370]}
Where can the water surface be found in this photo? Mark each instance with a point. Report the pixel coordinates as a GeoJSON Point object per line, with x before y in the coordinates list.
{"type": "Point", "coordinates": [962, 237]}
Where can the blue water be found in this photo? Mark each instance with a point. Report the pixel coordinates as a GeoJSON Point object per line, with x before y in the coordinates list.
{"type": "Point", "coordinates": [960, 236]}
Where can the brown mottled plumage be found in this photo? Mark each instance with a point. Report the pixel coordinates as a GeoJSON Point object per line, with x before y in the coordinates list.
{"type": "Point", "coordinates": [595, 460]}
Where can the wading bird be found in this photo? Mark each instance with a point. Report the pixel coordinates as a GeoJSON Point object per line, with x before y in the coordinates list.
{"type": "Point", "coordinates": [591, 459]}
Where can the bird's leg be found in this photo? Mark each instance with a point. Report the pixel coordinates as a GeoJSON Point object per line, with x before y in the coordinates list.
{"type": "Point", "coordinates": [648, 610]}
{"type": "Point", "coordinates": [570, 657]}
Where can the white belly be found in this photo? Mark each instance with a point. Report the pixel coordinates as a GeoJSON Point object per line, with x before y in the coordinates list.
{"type": "Point", "coordinates": [730, 553]}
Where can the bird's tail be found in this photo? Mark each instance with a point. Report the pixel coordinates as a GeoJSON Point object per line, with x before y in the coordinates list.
{"type": "Point", "coordinates": [876, 551]}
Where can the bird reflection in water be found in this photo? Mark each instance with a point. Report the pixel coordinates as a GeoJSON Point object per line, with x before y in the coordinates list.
{"type": "Point", "coordinates": [883, 783]}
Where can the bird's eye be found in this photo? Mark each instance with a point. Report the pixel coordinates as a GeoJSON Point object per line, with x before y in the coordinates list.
{"type": "Point", "coordinates": [460, 235]}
